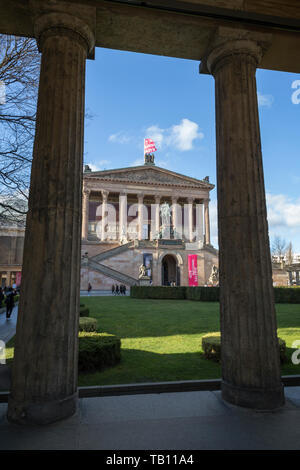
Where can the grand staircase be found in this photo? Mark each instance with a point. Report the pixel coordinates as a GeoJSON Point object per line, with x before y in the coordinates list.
{"type": "Point", "coordinates": [113, 252]}
{"type": "Point", "coordinates": [95, 264]}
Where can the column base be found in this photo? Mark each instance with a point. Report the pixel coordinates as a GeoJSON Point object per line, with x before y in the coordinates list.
{"type": "Point", "coordinates": [42, 412]}
{"type": "Point", "coordinates": [254, 398]}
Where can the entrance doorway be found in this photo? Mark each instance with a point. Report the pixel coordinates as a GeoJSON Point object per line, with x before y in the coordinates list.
{"type": "Point", "coordinates": [169, 271]}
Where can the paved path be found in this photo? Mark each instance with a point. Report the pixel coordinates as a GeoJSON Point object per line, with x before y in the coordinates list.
{"type": "Point", "coordinates": [8, 327]}
{"type": "Point", "coordinates": [168, 421]}
{"type": "Point", "coordinates": [99, 293]}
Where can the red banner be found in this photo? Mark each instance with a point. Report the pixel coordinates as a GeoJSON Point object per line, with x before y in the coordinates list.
{"type": "Point", "coordinates": [18, 278]}
{"type": "Point", "coordinates": [193, 271]}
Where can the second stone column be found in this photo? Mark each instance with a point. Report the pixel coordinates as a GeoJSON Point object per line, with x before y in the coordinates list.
{"type": "Point", "coordinates": [250, 354]}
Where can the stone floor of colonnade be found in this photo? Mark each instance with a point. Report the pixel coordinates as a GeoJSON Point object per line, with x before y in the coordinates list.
{"type": "Point", "coordinates": [168, 421]}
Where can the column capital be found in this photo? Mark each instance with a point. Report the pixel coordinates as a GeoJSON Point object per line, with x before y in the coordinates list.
{"type": "Point", "coordinates": [174, 199]}
{"type": "Point", "coordinates": [157, 199]}
{"type": "Point", "coordinates": [50, 22]}
{"type": "Point", "coordinates": [123, 193]}
{"type": "Point", "coordinates": [140, 197]}
{"type": "Point", "coordinates": [86, 191]}
{"type": "Point", "coordinates": [230, 42]}
{"type": "Point", "coordinates": [190, 200]}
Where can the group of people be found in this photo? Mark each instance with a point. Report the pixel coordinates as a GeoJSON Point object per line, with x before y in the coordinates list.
{"type": "Point", "coordinates": [7, 295]}
{"type": "Point", "coordinates": [118, 290]}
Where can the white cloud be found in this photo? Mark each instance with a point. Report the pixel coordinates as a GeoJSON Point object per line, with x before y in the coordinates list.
{"type": "Point", "coordinates": [185, 133]}
{"type": "Point", "coordinates": [265, 100]}
{"type": "Point", "coordinates": [120, 138]}
{"type": "Point", "coordinates": [156, 134]}
{"type": "Point", "coordinates": [283, 211]}
{"type": "Point", "coordinates": [283, 217]}
{"type": "Point", "coordinates": [180, 136]}
{"type": "Point", "coordinates": [100, 165]}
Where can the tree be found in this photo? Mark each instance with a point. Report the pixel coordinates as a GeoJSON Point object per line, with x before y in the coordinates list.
{"type": "Point", "coordinates": [289, 253]}
{"type": "Point", "coordinates": [19, 76]}
{"type": "Point", "coordinates": [278, 246]}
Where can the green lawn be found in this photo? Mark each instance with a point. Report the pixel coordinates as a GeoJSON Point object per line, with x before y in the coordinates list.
{"type": "Point", "coordinates": [161, 340]}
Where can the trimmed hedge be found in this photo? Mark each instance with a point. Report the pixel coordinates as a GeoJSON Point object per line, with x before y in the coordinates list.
{"type": "Point", "coordinates": [211, 345]}
{"type": "Point", "coordinates": [98, 351]}
{"type": "Point", "coordinates": [205, 294]}
{"type": "Point", "coordinates": [88, 324]}
{"type": "Point", "coordinates": [157, 292]}
{"type": "Point", "coordinates": [287, 295]}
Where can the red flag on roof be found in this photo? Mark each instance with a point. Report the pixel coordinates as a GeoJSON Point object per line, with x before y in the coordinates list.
{"type": "Point", "coordinates": [149, 146]}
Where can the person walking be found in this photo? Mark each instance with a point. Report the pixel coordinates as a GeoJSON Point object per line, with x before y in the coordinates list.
{"type": "Point", "coordinates": [117, 290]}
{"type": "Point", "coordinates": [113, 289]}
{"type": "Point", "coordinates": [89, 288]}
{"type": "Point", "coordinates": [10, 302]}
{"type": "Point", "coordinates": [1, 296]}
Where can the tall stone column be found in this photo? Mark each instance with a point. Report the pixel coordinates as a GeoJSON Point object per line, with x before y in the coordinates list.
{"type": "Point", "coordinates": [157, 214]}
{"type": "Point", "coordinates": [250, 354]}
{"type": "Point", "coordinates": [123, 216]}
{"type": "Point", "coordinates": [199, 222]}
{"type": "Point", "coordinates": [206, 222]}
{"type": "Point", "coordinates": [190, 218]}
{"type": "Point", "coordinates": [85, 213]}
{"type": "Point", "coordinates": [44, 375]}
{"type": "Point", "coordinates": [8, 279]}
{"type": "Point", "coordinates": [140, 216]}
{"type": "Point", "coordinates": [104, 214]}
{"type": "Point", "coordinates": [175, 216]}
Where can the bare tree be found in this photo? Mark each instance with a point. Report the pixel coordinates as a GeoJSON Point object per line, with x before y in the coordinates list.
{"type": "Point", "coordinates": [19, 75]}
{"type": "Point", "coordinates": [289, 253]}
{"type": "Point", "coordinates": [278, 248]}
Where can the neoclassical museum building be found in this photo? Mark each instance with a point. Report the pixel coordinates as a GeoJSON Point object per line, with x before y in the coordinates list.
{"type": "Point", "coordinates": [145, 216]}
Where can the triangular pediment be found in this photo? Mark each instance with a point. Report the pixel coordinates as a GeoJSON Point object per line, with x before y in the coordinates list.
{"type": "Point", "coordinates": [150, 175]}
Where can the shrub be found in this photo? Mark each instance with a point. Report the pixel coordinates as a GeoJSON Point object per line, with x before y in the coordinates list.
{"type": "Point", "coordinates": [211, 345]}
{"type": "Point", "coordinates": [84, 312]}
{"type": "Point", "coordinates": [288, 295]}
{"type": "Point", "coordinates": [282, 350]}
{"type": "Point", "coordinates": [157, 292]}
{"type": "Point", "coordinates": [87, 324]}
{"type": "Point", "coordinates": [204, 294]}
{"type": "Point", "coordinates": [97, 351]}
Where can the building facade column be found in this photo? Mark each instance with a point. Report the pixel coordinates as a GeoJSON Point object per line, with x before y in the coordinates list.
{"type": "Point", "coordinates": [123, 216]}
{"type": "Point", "coordinates": [8, 279]}
{"type": "Point", "coordinates": [190, 219]}
{"type": "Point", "coordinates": [175, 216]}
{"type": "Point", "coordinates": [104, 220]}
{"type": "Point", "coordinates": [140, 216]}
{"type": "Point", "coordinates": [199, 222]}
{"type": "Point", "coordinates": [206, 221]}
{"type": "Point", "coordinates": [250, 354]}
{"type": "Point", "coordinates": [44, 375]}
{"type": "Point", "coordinates": [157, 215]}
{"type": "Point", "coordinates": [85, 213]}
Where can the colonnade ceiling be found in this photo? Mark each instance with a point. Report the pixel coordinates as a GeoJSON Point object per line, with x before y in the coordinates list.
{"type": "Point", "coordinates": [180, 29]}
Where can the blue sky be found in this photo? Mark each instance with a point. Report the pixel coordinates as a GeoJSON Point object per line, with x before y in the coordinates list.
{"type": "Point", "coordinates": [132, 96]}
